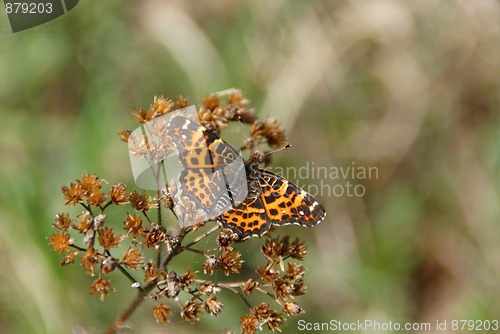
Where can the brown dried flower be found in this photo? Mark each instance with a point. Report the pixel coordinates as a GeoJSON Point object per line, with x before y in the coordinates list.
{"type": "Point", "coordinates": [118, 194]}
{"type": "Point", "coordinates": [102, 287]}
{"type": "Point", "coordinates": [162, 313]}
{"type": "Point", "coordinates": [249, 286]}
{"type": "Point", "coordinates": [132, 258]}
{"type": "Point", "coordinates": [212, 306]}
{"type": "Point", "coordinates": [230, 261]}
{"type": "Point", "coordinates": [292, 308]}
{"type": "Point", "coordinates": [133, 225]}
{"type": "Point", "coordinates": [191, 311]}
{"type": "Point", "coordinates": [249, 324]}
{"type": "Point", "coordinates": [90, 259]}
{"type": "Point", "coordinates": [108, 239]}
{"type": "Point", "coordinates": [62, 222]}
{"type": "Point", "coordinates": [155, 236]}
{"type": "Point", "coordinates": [73, 194]}
{"type": "Point", "coordinates": [141, 202]}
{"type": "Point", "coordinates": [59, 242]}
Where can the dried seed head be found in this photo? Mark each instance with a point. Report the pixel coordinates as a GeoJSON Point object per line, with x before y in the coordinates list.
{"type": "Point", "coordinates": [191, 311]}
{"type": "Point", "coordinates": [249, 324]}
{"type": "Point", "coordinates": [141, 202]}
{"type": "Point", "coordinates": [292, 308]}
{"type": "Point", "coordinates": [155, 236]}
{"type": "Point", "coordinates": [102, 287]}
{"type": "Point", "coordinates": [133, 225]}
{"type": "Point", "coordinates": [89, 260]}
{"type": "Point", "coordinates": [249, 286]}
{"type": "Point", "coordinates": [74, 194]}
{"type": "Point", "coordinates": [187, 279]}
{"type": "Point", "coordinates": [132, 258]}
{"type": "Point", "coordinates": [162, 313]}
{"type": "Point", "coordinates": [118, 194]}
{"type": "Point", "coordinates": [230, 261]}
{"type": "Point", "coordinates": [59, 242]}
{"type": "Point", "coordinates": [150, 272]}
{"type": "Point", "coordinates": [108, 239]}
{"type": "Point", "coordinates": [212, 306]}
{"type": "Point", "coordinates": [62, 222]}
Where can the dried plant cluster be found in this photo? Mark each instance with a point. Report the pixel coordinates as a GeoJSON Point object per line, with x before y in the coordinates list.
{"type": "Point", "coordinates": [142, 248]}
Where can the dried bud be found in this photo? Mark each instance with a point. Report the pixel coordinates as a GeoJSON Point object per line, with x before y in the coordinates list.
{"type": "Point", "coordinates": [133, 224]}
{"type": "Point", "coordinates": [108, 265]}
{"type": "Point", "coordinates": [210, 265]}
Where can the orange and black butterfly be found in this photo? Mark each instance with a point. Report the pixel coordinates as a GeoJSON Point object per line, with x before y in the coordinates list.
{"type": "Point", "coordinates": [248, 208]}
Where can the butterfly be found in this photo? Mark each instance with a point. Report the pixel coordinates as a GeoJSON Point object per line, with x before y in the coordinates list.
{"type": "Point", "coordinates": [241, 196]}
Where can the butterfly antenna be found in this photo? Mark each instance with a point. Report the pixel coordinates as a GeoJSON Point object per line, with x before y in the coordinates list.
{"type": "Point", "coordinates": [248, 142]}
{"type": "Point", "coordinates": [278, 149]}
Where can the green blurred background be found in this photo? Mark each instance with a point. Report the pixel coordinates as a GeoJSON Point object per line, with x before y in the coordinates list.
{"type": "Point", "coordinates": [411, 88]}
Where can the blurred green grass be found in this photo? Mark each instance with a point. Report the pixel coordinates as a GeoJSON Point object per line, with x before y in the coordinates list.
{"type": "Point", "coordinates": [409, 87]}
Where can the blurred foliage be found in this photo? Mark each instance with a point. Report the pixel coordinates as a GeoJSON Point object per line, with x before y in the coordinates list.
{"type": "Point", "coordinates": [409, 87]}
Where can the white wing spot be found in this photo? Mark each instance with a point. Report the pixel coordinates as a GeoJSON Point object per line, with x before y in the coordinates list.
{"type": "Point", "coordinates": [301, 212]}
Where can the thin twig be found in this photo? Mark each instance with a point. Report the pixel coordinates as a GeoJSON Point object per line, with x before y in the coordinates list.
{"type": "Point", "coordinates": [204, 235]}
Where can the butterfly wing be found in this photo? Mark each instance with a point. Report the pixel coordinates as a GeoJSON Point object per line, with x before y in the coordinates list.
{"type": "Point", "coordinates": [212, 171]}
{"type": "Point", "coordinates": [286, 203]}
{"type": "Point", "coordinates": [247, 219]}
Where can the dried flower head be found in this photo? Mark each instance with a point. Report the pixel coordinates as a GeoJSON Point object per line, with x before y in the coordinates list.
{"type": "Point", "coordinates": [162, 313]}
{"type": "Point", "coordinates": [102, 287]}
{"type": "Point", "coordinates": [191, 311]}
